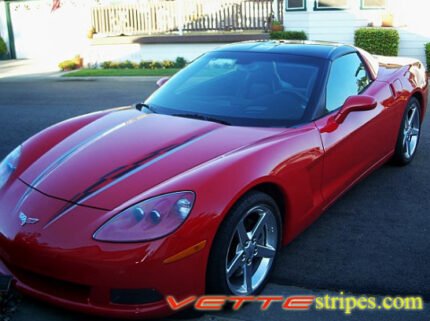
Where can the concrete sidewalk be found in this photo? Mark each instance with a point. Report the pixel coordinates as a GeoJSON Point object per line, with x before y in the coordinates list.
{"type": "Point", "coordinates": [28, 68]}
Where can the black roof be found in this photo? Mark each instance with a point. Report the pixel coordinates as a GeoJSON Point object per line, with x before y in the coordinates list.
{"type": "Point", "coordinates": [318, 49]}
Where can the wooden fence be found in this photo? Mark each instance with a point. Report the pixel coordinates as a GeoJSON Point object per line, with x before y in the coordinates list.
{"type": "Point", "coordinates": [162, 16]}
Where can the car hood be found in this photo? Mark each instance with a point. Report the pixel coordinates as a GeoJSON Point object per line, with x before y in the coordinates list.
{"type": "Point", "coordinates": [125, 153]}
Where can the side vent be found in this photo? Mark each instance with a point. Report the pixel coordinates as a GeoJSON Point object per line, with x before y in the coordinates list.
{"type": "Point", "coordinates": [396, 88]}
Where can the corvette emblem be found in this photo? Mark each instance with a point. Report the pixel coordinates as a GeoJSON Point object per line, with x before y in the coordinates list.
{"type": "Point", "coordinates": [27, 220]}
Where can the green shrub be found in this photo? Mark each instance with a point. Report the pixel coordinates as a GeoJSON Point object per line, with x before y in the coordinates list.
{"type": "Point", "coordinates": [378, 41]}
{"type": "Point", "coordinates": [68, 65]}
{"type": "Point", "coordinates": [106, 65]}
{"type": "Point", "coordinates": [156, 65]}
{"type": "Point", "coordinates": [288, 35]}
{"type": "Point", "coordinates": [180, 62]}
{"type": "Point", "coordinates": [167, 64]}
{"type": "Point", "coordinates": [428, 56]}
{"type": "Point", "coordinates": [119, 65]}
{"type": "Point", "coordinates": [114, 65]}
{"type": "Point", "coordinates": [126, 65]}
{"type": "Point", "coordinates": [3, 47]}
{"type": "Point", "coordinates": [145, 64]}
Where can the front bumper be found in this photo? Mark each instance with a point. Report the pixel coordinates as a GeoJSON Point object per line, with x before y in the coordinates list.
{"type": "Point", "coordinates": [65, 266]}
{"type": "Point", "coordinates": [70, 297]}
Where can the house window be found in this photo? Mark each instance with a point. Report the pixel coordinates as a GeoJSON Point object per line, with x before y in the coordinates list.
{"type": "Point", "coordinates": [331, 4]}
{"type": "Point", "coordinates": [373, 4]}
{"type": "Point", "coordinates": [296, 5]}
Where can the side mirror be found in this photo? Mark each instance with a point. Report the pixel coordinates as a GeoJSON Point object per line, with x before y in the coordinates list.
{"type": "Point", "coordinates": [162, 81]}
{"type": "Point", "coordinates": [355, 103]}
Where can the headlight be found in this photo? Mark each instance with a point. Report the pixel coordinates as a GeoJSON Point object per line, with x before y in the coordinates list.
{"type": "Point", "coordinates": [148, 220]}
{"type": "Point", "coordinates": [8, 165]}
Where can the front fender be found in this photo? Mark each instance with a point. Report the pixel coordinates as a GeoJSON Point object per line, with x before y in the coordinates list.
{"type": "Point", "coordinates": [292, 161]}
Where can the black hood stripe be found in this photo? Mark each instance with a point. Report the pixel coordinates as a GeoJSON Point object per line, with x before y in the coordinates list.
{"type": "Point", "coordinates": [121, 173]}
{"type": "Point", "coordinates": [78, 148]}
{"type": "Point", "coordinates": [66, 156]}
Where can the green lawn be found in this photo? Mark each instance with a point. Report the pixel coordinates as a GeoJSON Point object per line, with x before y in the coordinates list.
{"type": "Point", "coordinates": [121, 72]}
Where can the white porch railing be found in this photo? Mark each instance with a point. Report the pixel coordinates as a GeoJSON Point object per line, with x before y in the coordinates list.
{"type": "Point", "coordinates": [161, 16]}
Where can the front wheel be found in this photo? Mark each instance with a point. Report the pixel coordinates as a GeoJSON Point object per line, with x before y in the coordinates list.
{"type": "Point", "coordinates": [409, 135]}
{"type": "Point", "coordinates": [245, 247]}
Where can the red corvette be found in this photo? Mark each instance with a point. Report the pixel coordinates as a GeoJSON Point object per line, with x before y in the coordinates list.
{"type": "Point", "coordinates": [195, 190]}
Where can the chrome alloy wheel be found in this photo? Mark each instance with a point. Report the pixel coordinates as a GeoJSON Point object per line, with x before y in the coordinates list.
{"type": "Point", "coordinates": [411, 131]}
{"type": "Point", "coordinates": [252, 250]}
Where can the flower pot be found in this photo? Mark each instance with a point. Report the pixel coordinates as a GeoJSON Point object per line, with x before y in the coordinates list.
{"type": "Point", "coordinates": [387, 20]}
{"type": "Point", "coordinates": [79, 61]}
{"type": "Point", "coordinates": [277, 28]}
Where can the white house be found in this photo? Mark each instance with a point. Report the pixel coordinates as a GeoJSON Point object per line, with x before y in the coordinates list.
{"type": "Point", "coordinates": [128, 30]}
{"type": "Point", "coordinates": [336, 20]}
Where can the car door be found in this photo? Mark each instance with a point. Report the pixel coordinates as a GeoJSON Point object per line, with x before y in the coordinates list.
{"type": "Point", "coordinates": [358, 143]}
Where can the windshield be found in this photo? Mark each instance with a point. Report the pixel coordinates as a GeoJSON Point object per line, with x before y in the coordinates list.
{"type": "Point", "coordinates": [242, 89]}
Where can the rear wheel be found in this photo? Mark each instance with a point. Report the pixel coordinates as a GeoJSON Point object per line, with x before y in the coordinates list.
{"type": "Point", "coordinates": [245, 247]}
{"type": "Point", "coordinates": [409, 135]}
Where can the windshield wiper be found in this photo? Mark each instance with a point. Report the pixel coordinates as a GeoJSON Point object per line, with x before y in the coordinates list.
{"type": "Point", "coordinates": [140, 106]}
{"type": "Point", "coordinates": [201, 117]}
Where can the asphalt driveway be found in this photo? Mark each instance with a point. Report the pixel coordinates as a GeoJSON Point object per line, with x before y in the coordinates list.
{"type": "Point", "coordinates": [375, 240]}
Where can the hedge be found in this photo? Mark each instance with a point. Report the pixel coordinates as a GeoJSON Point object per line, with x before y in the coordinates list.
{"type": "Point", "coordinates": [179, 63]}
{"type": "Point", "coordinates": [428, 56]}
{"type": "Point", "coordinates": [288, 35]}
{"type": "Point", "coordinates": [3, 47]}
{"type": "Point", "coordinates": [378, 41]}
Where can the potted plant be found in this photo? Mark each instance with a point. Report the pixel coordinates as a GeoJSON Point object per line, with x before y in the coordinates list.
{"type": "Point", "coordinates": [277, 26]}
{"type": "Point", "coordinates": [387, 19]}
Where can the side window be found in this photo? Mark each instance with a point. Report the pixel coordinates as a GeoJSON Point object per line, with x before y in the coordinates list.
{"type": "Point", "coordinates": [348, 77]}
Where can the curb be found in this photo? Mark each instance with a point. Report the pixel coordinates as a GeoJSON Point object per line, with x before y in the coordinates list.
{"type": "Point", "coordinates": [60, 78]}
{"type": "Point", "coordinates": [115, 78]}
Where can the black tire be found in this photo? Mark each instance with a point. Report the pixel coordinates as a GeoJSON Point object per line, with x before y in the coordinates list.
{"type": "Point", "coordinates": [217, 282]}
{"type": "Point", "coordinates": [401, 155]}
